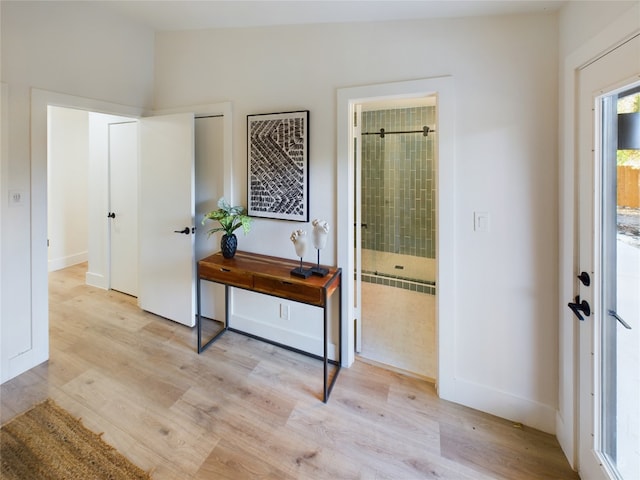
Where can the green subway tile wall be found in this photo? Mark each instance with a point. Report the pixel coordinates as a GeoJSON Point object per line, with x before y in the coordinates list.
{"type": "Point", "coordinates": [398, 182]}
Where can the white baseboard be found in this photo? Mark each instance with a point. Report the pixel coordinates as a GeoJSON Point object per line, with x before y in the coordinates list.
{"type": "Point", "coordinates": [269, 331]}
{"type": "Point", "coordinates": [96, 280]}
{"type": "Point", "coordinates": [64, 262]}
{"type": "Point", "coordinates": [504, 405]}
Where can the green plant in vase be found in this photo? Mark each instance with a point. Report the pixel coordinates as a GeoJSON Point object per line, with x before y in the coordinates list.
{"type": "Point", "coordinates": [230, 219]}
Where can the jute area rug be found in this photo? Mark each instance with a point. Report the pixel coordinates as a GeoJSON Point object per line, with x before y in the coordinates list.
{"type": "Point", "coordinates": [47, 442]}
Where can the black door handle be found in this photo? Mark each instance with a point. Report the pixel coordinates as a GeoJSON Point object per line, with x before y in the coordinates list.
{"type": "Point", "coordinates": [111, 215]}
{"type": "Point", "coordinates": [579, 306]}
{"type": "Point", "coordinates": [185, 230]}
{"type": "Point", "coordinates": [585, 279]}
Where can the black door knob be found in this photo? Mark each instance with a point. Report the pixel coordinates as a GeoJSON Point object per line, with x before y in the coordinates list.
{"type": "Point", "coordinates": [585, 279]}
{"type": "Point", "coordinates": [580, 306]}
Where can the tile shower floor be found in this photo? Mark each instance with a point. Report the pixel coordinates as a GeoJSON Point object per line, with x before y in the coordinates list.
{"type": "Point", "coordinates": [419, 268]}
{"type": "Point", "coordinates": [398, 329]}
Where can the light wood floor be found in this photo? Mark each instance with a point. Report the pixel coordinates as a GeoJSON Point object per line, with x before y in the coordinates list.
{"type": "Point", "coordinates": [246, 409]}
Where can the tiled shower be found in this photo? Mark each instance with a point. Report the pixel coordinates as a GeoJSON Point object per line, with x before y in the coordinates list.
{"type": "Point", "coordinates": [398, 198]}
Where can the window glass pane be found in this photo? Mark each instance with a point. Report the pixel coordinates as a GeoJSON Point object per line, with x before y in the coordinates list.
{"type": "Point", "coordinates": [620, 332]}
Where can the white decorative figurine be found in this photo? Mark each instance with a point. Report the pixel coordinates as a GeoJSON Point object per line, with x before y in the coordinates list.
{"type": "Point", "coordinates": [320, 233]}
{"type": "Point", "coordinates": [299, 239]}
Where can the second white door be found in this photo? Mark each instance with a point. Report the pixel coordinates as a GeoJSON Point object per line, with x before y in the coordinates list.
{"type": "Point", "coordinates": [123, 207]}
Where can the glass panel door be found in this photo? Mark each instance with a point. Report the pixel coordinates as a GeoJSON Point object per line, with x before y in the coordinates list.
{"type": "Point", "coordinates": [620, 264]}
{"type": "Point", "coordinates": [608, 267]}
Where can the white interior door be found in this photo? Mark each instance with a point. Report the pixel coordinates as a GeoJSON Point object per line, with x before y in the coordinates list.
{"type": "Point", "coordinates": [598, 375]}
{"type": "Point", "coordinates": [123, 207]}
{"type": "Point", "coordinates": [167, 223]}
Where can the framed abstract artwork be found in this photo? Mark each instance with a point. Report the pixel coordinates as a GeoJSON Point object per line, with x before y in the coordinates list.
{"type": "Point", "coordinates": [278, 165]}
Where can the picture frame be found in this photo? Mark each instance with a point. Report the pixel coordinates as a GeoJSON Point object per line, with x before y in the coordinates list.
{"type": "Point", "coordinates": [278, 165]}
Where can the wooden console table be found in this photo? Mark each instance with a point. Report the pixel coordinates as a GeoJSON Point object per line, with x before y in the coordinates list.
{"type": "Point", "coordinates": [272, 276]}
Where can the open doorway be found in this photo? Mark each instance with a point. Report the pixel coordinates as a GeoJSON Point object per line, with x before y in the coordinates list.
{"type": "Point", "coordinates": [37, 335]}
{"type": "Point", "coordinates": [348, 101]}
{"type": "Point", "coordinates": [92, 173]}
{"type": "Point", "coordinates": [93, 190]}
{"type": "Point", "coordinates": [396, 195]}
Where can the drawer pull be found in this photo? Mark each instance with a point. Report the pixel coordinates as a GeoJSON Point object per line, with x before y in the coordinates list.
{"type": "Point", "coordinates": [222, 269]}
{"type": "Point", "coordinates": [286, 283]}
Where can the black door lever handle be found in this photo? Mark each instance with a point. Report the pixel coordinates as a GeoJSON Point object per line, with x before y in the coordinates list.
{"type": "Point", "coordinates": [111, 215]}
{"type": "Point", "coordinates": [185, 230]}
{"type": "Point", "coordinates": [585, 279]}
{"type": "Point", "coordinates": [579, 306]}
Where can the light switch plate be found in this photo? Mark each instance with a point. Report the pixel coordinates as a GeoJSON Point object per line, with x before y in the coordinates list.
{"type": "Point", "coordinates": [481, 221]}
{"type": "Point", "coordinates": [16, 198]}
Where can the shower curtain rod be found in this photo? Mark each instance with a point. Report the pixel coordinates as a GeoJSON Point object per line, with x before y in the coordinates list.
{"type": "Point", "coordinates": [425, 132]}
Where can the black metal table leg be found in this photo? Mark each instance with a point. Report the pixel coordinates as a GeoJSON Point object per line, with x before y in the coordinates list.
{"type": "Point", "coordinates": [198, 318]}
{"type": "Point", "coordinates": [202, 348]}
{"type": "Point", "coordinates": [328, 386]}
{"type": "Point", "coordinates": [326, 393]}
{"type": "Point", "coordinates": [214, 266]}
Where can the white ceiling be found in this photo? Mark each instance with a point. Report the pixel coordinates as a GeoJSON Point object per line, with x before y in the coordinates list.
{"type": "Point", "coordinates": [162, 15]}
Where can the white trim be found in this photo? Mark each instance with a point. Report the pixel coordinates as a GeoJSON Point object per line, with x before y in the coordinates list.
{"type": "Point", "coordinates": [96, 280]}
{"type": "Point", "coordinates": [506, 405]}
{"type": "Point", "coordinates": [347, 98]}
{"type": "Point", "coordinates": [356, 131]}
{"type": "Point", "coordinates": [69, 260]}
{"type": "Point", "coordinates": [4, 158]}
{"type": "Point", "coordinates": [566, 417]}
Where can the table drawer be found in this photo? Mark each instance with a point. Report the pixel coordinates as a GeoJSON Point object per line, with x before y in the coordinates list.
{"type": "Point", "coordinates": [228, 276]}
{"type": "Point", "coordinates": [291, 290]}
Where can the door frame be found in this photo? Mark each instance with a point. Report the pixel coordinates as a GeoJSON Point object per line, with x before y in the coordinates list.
{"type": "Point", "coordinates": [616, 33]}
{"type": "Point", "coordinates": [40, 100]}
{"type": "Point", "coordinates": [591, 461]}
{"type": "Point", "coordinates": [347, 98]}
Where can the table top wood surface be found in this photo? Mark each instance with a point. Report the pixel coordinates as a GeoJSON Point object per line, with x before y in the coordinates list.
{"type": "Point", "coordinates": [268, 274]}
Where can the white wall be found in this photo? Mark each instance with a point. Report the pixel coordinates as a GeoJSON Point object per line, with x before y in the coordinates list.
{"type": "Point", "coordinates": [68, 162]}
{"type": "Point", "coordinates": [66, 47]}
{"type": "Point", "coordinates": [505, 75]}
{"type": "Point", "coordinates": [581, 21]}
